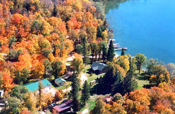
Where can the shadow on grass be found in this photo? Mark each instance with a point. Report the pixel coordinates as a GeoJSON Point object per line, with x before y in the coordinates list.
{"type": "Point", "coordinates": [99, 90]}
{"type": "Point", "coordinates": [148, 86]}
{"type": "Point", "coordinates": [143, 76]}
{"type": "Point", "coordinates": [89, 71]}
{"type": "Point", "coordinates": [53, 83]}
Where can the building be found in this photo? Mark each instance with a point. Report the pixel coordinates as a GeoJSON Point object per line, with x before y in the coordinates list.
{"type": "Point", "coordinates": [62, 108]}
{"type": "Point", "coordinates": [98, 67]}
{"type": "Point", "coordinates": [107, 99]}
{"type": "Point", "coordinates": [60, 81]}
{"type": "Point", "coordinates": [1, 93]}
{"type": "Point", "coordinates": [33, 86]}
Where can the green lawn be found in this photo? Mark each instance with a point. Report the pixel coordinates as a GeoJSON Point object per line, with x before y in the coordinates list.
{"type": "Point", "coordinates": [87, 67]}
{"type": "Point", "coordinates": [141, 81]}
{"type": "Point", "coordinates": [93, 77]}
{"type": "Point", "coordinates": [65, 86]}
{"type": "Point", "coordinates": [90, 104]}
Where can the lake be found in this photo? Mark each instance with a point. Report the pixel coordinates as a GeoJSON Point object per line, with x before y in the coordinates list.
{"type": "Point", "coordinates": [144, 26]}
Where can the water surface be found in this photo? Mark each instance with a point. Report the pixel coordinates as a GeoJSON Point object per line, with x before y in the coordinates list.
{"type": "Point", "coordinates": [144, 26]}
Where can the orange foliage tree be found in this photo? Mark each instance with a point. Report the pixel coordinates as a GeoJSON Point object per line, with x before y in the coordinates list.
{"type": "Point", "coordinates": [6, 81]}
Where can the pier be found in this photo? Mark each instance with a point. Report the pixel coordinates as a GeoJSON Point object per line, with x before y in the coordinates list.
{"type": "Point", "coordinates": [119, 49]}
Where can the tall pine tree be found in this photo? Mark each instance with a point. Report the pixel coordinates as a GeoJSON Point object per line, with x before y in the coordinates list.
{"type": "Point", "coordinates": [54, 12]}
{"type": "Point", "coordinates": [75, 86]}
{"type": "Point", "coordinates": [40, 86]}
{"type": "Point", "coordinates": [104, 54]}
{"type": "Point", "coordinates": [74, 93]}
{"type": "Point", "coordinates": [111, 54]}
{"type": "Point", "coordinates": [129, 84]}
{"type": "Point", "coordinates": [76, 105]}
{"type": "Point", "coordinates": [123, 51]}
{"type": "Point", "coordinates": [85, 93]}
{"type": "Point", "coordinates": [83, 37]}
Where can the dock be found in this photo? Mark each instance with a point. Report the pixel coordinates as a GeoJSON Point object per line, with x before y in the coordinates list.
{"type": "Point", "coordinates": [119, 49]}
{"type": "Point", "coordinates": [112, 40]}
{"type": "Point", "coordinates": [117, 46]}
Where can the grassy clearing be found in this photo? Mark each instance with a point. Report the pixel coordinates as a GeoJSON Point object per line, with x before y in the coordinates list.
{"type": "Point", "coordinates": [93, 77]}
{"type": "Point", "coordinates": [141, 83]}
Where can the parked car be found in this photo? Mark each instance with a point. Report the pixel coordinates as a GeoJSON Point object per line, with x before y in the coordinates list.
{"type": "Point", "coordinates": [52, 105]}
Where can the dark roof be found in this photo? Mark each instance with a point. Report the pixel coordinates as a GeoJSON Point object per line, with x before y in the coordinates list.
{"type": "Point", "coordinates": [98, 66]}
{"type": "Point", "coordinates": [32, 86]}
{"type": "Point", "coordinates": [59, 80]}
{"type": "Point", "coordinates": [63, 106]}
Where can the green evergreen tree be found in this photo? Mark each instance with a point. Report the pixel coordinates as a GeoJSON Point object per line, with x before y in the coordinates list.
{"type": "Point", "coordinates": [79, 49]}
{"type": "Point", "coordinates": [74, 93]}
{"type": "Point", "coordinates": [14, 105]}
{"type": "Point", "coordinates": [85, 93]}
{"type": "Point", "coordinates": [123, 51]}
{"type": "Point", "coordinates": [25, 74]}
{"type": "Point", "coordinates": [117, 96]}
{"type": "Point", "coordinates": [129, 84]}
{"type": "Point", "coordinates": [56, 66]}
{"type": "Point", "coordinates": [12, 41]}
{"type": "Point", "coordinates": [76, 105]}
{"type": "Point", "coordinates": [19, 78]}
{"type": "Point", "coordinates": [111, 54]}
{"type": "Point", "coordinates": [46, 52]}
{"type": "Point", "coordinates": [112, 79]}
{"type": "Point", "coordinates": [75, 86]}
{"type": "Point", "coordinates": [104, 54]}
{"type": "Point", "coordinates": [84, 41]}
{"type": "Point", "coordinates": [12, 55]}
{"type": "Point", "coordinates": [94, 50]}
{"type": "Point", "coordinates": [48, 68]}
{"type": "Point", "coordinates": [54, 12]}
{"type": "Point", "coordinates": [40, 87]}
{"type": "Point", "coordinates": [19, 92]}
{"type": "Point", "coordinates": [102, 49]}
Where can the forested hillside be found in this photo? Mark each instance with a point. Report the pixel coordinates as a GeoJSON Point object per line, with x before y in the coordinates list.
{"type": "Point", "coordinates": [34, 33]}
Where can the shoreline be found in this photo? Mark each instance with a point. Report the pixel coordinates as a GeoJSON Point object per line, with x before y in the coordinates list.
{"type": "Point", "coordinates": [116, 55]}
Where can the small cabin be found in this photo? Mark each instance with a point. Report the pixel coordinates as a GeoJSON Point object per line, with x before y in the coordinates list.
{"type": "Point", "coordinates": [98, 67]}
{"type": "Point", "coordinates": [60, 81]}
{"type": "Point", "coordinates": [63, 108]}
{"type": "Point", "coordinates": [34, 86]}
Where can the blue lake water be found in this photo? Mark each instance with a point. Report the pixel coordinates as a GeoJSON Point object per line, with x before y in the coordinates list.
{"type": "Point", "coordinates": [145, 26]}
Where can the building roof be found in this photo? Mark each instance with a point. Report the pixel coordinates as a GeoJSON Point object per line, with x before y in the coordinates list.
{"type": "Point", "coordinates": [107, 98]}
{"type": "Point", "coordinates": [32, 86]}
{"type": "Point", "coordinates": [98, 66]}
{"type": "Point", "coordinates": [59, 80]}
{"type": "Point", "coordinates": [63, 106]}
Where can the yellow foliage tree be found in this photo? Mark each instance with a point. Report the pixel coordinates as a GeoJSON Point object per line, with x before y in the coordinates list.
{"type": "Point", "coordinates": [123, 61]}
